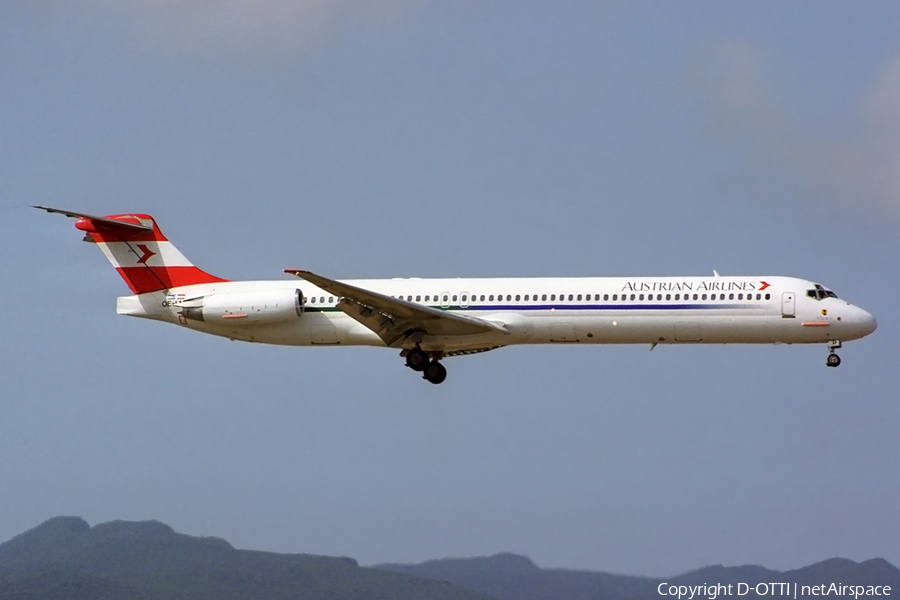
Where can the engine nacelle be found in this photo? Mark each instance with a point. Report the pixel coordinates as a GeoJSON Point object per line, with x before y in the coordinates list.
{"type": "Point", "coordinates": [238, 308]}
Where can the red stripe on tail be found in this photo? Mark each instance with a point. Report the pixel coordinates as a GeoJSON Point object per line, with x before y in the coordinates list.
{"type": "Point", "coordinates": [144, 268]}
{"type": "Point", "coordinates": [143, 280]}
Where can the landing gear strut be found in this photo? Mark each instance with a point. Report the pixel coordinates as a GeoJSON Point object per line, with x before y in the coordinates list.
{"type": "Point", "coordinates": [833, 359]}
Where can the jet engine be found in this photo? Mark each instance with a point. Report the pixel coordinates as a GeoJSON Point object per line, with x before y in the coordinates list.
{"type": "Point", "coordinates": [252, 307]}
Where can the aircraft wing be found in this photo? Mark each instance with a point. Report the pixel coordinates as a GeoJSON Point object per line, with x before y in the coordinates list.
{"type": "Point", "coordinates": [394, 319]}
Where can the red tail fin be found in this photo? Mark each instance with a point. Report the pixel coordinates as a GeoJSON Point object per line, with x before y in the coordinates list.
{"type": "Point", "coordinates": [136, 247]}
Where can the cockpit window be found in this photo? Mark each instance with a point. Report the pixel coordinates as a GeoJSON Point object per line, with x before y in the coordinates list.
{"type": "Point", "coordinates": [820, 293]}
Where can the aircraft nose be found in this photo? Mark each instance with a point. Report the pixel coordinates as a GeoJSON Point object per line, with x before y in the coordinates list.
{"type": "Point", "coordinates": [865, 321]}
{"type": "Point", "coordinates": [869, 322]}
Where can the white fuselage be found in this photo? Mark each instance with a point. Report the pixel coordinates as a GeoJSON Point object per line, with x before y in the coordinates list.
{"type": "Point", "coordinates": [601, 310]}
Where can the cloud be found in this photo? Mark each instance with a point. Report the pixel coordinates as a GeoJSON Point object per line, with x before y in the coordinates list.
{"type": "Point", "coordinates": [853, 159]}
{"type": "Point", "coordinates": [245, 28]}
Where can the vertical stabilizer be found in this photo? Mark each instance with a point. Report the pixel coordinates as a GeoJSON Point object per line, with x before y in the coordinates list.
{"type": "Point", "coordinates": [134, 244]}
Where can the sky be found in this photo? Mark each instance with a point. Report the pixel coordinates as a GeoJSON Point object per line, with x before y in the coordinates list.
{"type": "Point", "coordinates": [402, 138]}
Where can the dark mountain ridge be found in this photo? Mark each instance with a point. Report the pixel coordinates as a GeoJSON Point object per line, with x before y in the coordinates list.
{"type": "Point", "coordinates": [65, 558]}
{"type": "Point", "coordinates": [513, 577]}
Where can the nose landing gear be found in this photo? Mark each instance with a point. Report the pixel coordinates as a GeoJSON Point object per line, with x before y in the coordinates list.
{"type": "Point", "coordinates": [833, 359]}
{"type": "Point", "coordinates": [432, 371]}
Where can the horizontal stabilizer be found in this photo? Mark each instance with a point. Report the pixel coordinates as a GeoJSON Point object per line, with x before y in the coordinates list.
{"type": "Point", "coordinates": [111, 223]}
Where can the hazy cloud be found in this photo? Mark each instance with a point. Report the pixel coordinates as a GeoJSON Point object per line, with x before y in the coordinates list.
{"type": "Point", "coordinates": [235, 27]}
{"type": "Point", "coordinates": [854, 159]}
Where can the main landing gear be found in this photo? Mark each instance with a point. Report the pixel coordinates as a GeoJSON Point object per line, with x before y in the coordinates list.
{"type": "Point", "coordinates": [833, 359]}
{"type": "Point", "coordinates": [418, 360]}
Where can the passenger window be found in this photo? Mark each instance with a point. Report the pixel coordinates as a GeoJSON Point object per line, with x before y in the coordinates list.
{"type": "Point", "coordinates": [579, 297]}
{"type": "Point", "coordinates": [731, 296]}
{"type": "Point", "coordinates": [759, 296]}
{"type": "Point", "coordinates": [740, 296]}
{"type": "Point", "coordinates": [446, 298]}
{"type": "Point", "coordinates": [632, 296]}
{"type": "Point", "coordinates": [491, 298]}
{"type": "Point", "coordinates": [313, 299]}
{"type": "Point", "coordinates": [454, 297]}
{"type": "Point", "coordinates": [768, 296]}
{"type": "Point", "coordinates": [677, 296]}
{"type": "Point", "coordinates": [570, 297]}
{"type": "Point", "coordinates": [508, 297]}
{"type": "Point", "coordinates": [695, 296]}
{"type": "Point", "coordinates": [668, 296]}
{"type": "Point", "coordinates": [543, 296]}
{"type": "Point", "coordinates": [482, 297]}
{"type": "Point", "coordinates": [465, 298]}
{"type": "Point", "coordinates": [641, 297]}
{"type": "Point", "coordinates": [526, 298]}
{"type": "Point", "coordinates": [426, 298]}
{"type": "Point", "coordinates": [703, 297]}
{"type": "Point", "coordinates": [552, 297]}
{"type": "Point", "coordinates": [517, 297]}
{"type": "Point", "coordinates": [606, 297]}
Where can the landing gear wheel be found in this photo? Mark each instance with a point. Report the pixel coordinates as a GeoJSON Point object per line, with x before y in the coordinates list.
{"type": "Point", "coordinates": [833, 360]}
{"type": "Point", "coordinates": [435, 372]}
{"type": "Point", "coordinates": [417, 360]}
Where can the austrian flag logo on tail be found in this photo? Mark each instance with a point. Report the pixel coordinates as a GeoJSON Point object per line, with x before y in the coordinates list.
{"type": "Point", "coordinates": [763, 286]}
{"type": "Point", "coordinates": [147, 253]}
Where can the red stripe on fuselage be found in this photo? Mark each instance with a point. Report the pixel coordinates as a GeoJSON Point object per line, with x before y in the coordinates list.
{"type": "Point", "coordinates": [145, 279]}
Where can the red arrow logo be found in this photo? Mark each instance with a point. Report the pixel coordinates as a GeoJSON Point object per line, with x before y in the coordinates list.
{"type": "Point", "coordinates": [764, 285]}
{"type": "Point", "coordinates": [147, 253]}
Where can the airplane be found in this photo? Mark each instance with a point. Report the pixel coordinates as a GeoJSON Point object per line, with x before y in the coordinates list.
{"type": "Point", "coordinates": [432, 319]}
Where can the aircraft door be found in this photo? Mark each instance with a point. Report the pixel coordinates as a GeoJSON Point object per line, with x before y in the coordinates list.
{"type": "Point", "coordinates": [788, 305]}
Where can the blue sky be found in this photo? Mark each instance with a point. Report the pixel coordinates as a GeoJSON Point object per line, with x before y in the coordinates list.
{"type": "Point", "coordinates": [402, 138]}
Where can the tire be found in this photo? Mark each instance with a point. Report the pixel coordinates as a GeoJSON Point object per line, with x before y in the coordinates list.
{"type": "Point", "coordinates": [417, 360]}
{"type": "Point", "coordinates": [833, 360]}
{"type": "Point", "coordinates": [435, 372]}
